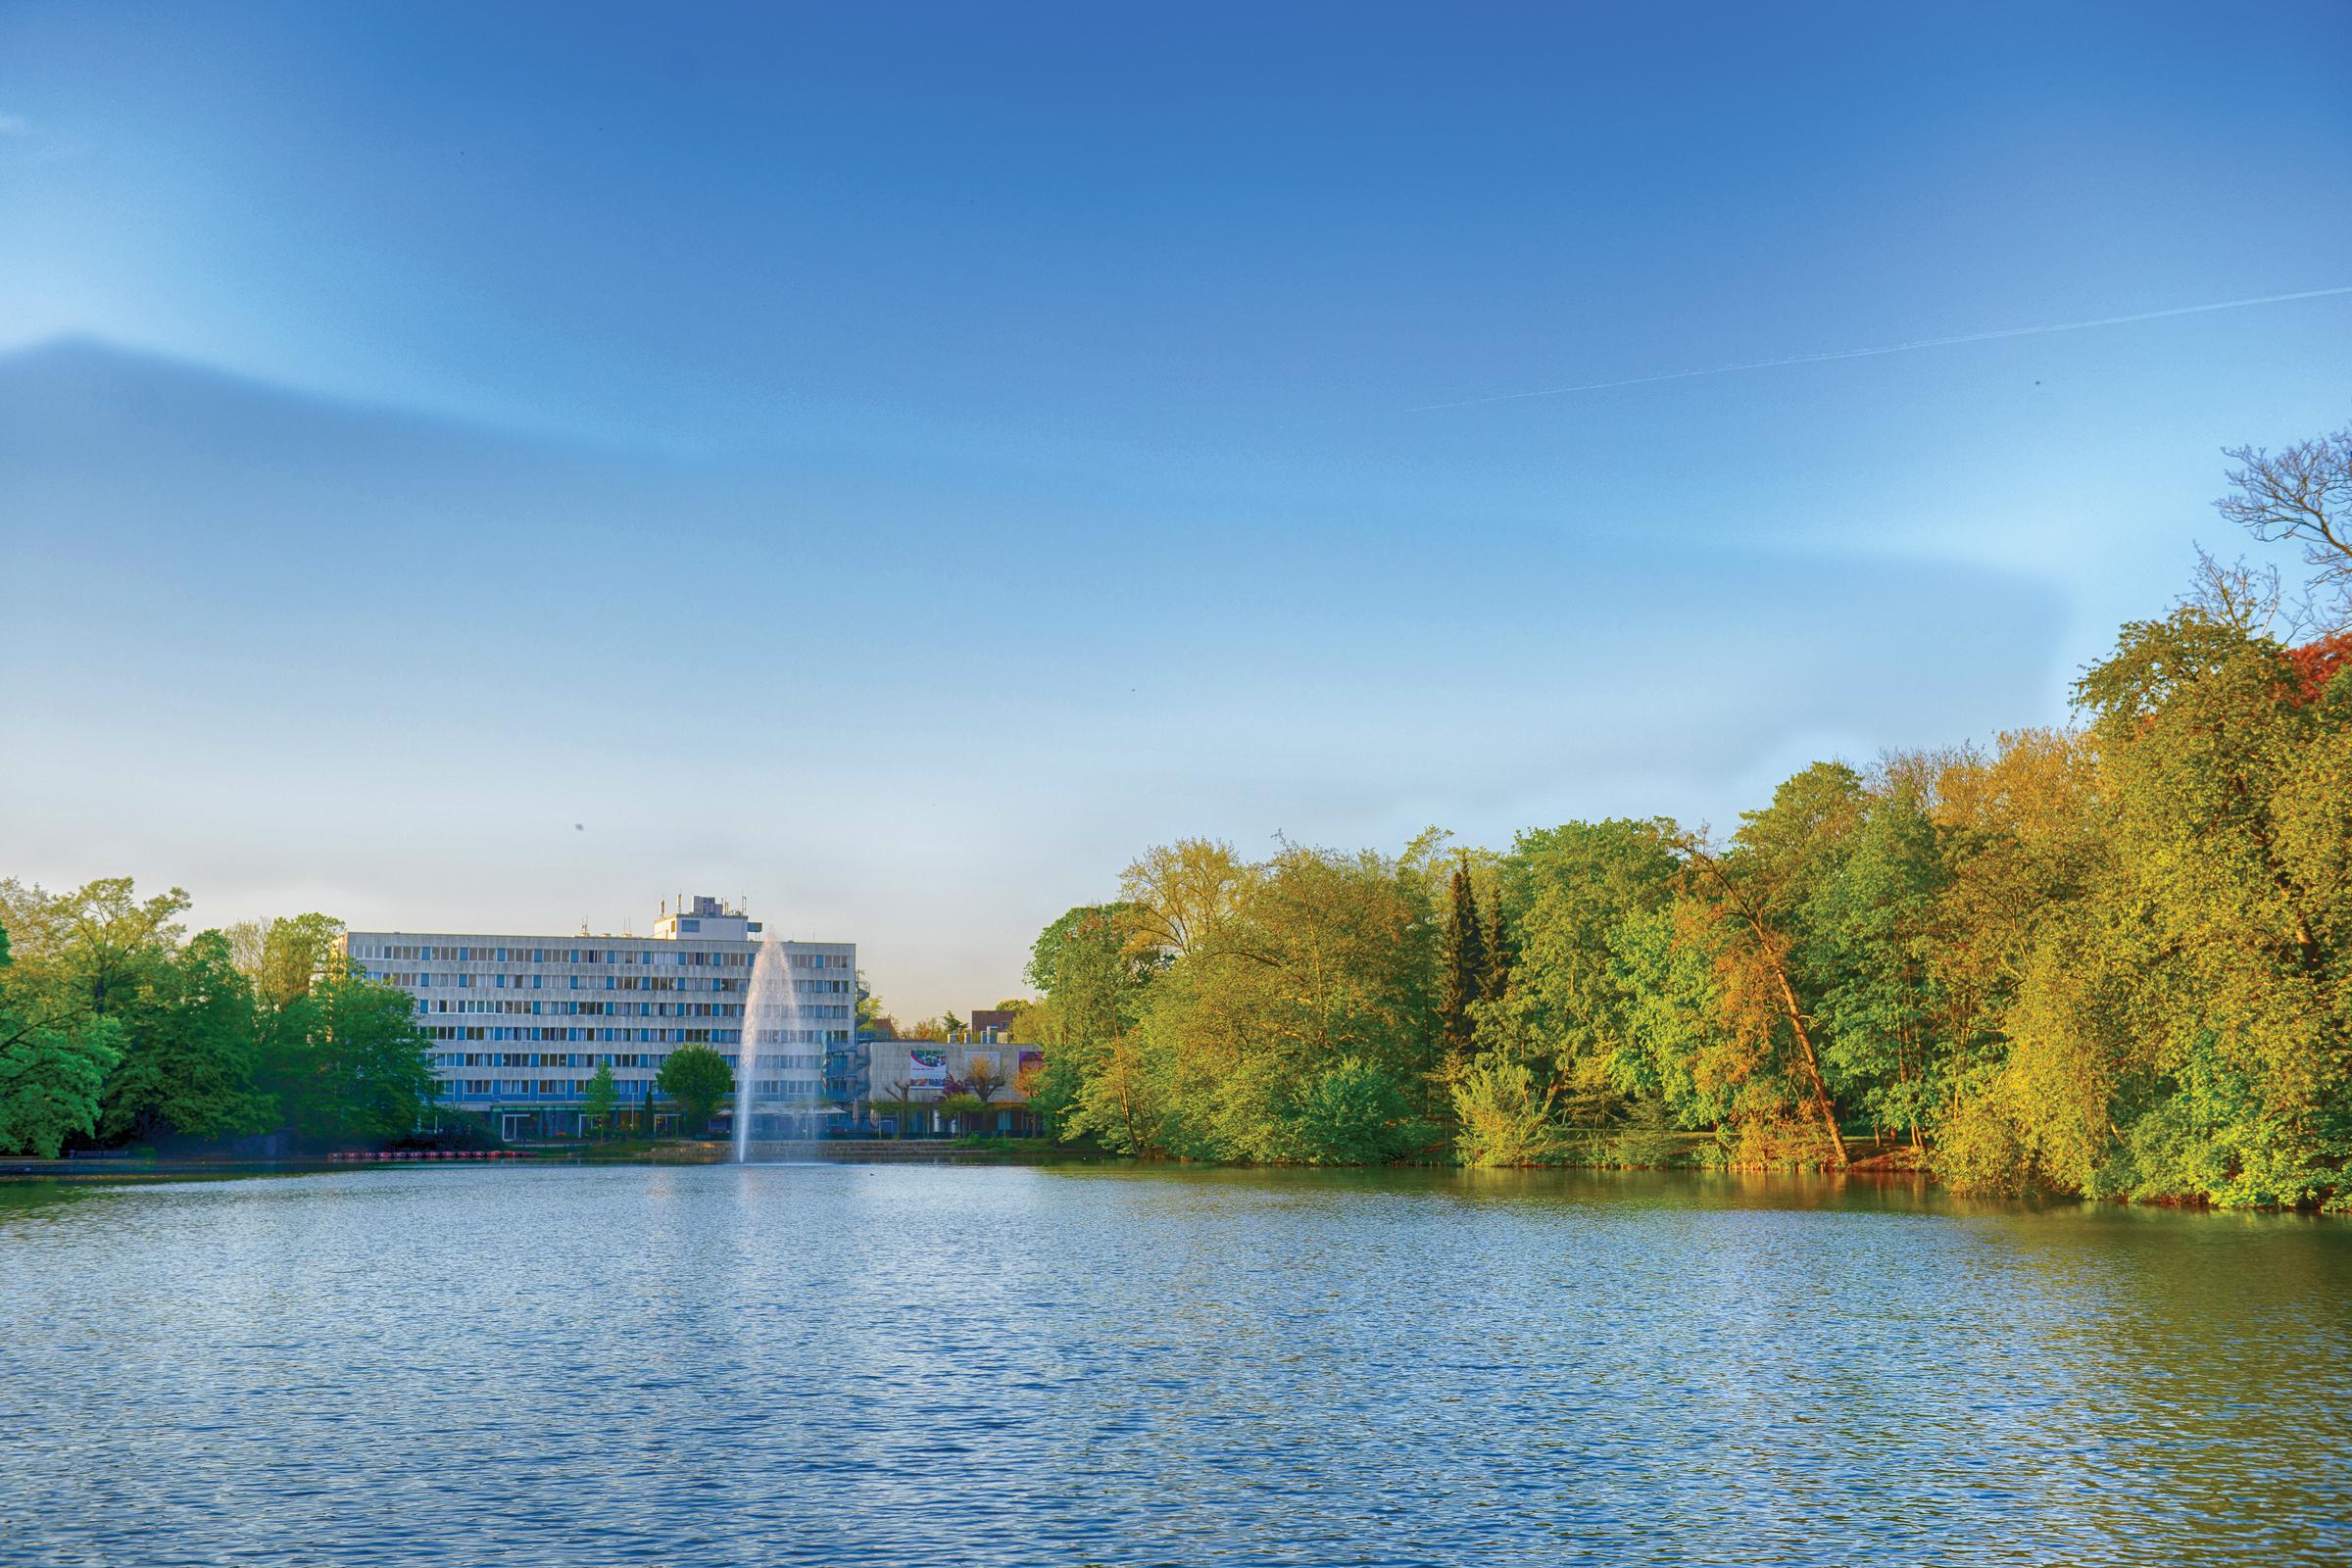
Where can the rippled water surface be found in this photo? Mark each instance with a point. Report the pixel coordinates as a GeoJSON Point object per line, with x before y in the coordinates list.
{"type": "Point", "coordinates": [891, 1364]}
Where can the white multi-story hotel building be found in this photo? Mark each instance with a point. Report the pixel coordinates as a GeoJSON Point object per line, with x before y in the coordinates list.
{"type": "Point", "coordinates": [522, 1024]}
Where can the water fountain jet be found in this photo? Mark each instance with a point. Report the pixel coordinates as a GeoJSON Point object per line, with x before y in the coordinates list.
{"type": "Point", "coordinates": [771, 1017]}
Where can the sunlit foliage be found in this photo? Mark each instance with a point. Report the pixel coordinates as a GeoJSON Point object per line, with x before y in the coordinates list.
{"type": "Point", "coordinates": [2113, 960]}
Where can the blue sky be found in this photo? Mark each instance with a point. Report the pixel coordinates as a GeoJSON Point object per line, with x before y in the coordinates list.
{"type": "Point", "coordinates": [895, 461]}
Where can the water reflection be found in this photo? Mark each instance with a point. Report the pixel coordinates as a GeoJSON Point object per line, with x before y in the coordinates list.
{"type": "Point", "coordinates": [916, 1364]}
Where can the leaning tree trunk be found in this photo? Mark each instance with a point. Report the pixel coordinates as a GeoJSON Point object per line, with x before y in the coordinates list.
{"type": "Point", "coordinates": [1804, 1043]}
{"type": "Point", "coordinates": [1753, 918]}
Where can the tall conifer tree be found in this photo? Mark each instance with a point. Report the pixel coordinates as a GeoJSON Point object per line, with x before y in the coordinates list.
{"type": "Point", "coordinates": [1465, 972]}
{"type": "Point", "coordinates": [1497, 976]}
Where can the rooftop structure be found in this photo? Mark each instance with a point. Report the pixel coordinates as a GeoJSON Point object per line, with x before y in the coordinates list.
{"type": "Point", "coordinates": [707, 918]}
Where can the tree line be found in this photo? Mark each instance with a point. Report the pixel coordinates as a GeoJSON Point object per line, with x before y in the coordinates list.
{"type": "Point", "coordinates": [117, 1027]}
{"type": "Point", "coordinates": [2113, 958]}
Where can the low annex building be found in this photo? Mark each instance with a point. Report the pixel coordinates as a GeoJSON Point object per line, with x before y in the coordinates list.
{"type": "Point", "coordinates": [911, 1078]}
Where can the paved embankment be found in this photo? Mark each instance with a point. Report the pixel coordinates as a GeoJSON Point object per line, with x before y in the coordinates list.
{"type": "Point", "coordinates": [682, 1152]}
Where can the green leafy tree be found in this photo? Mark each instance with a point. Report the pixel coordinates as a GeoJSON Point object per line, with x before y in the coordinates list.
{"type": "Point", "coordinates": [1094, 974]}
{"type": "Point", "coordinates": [190, 1052]}
{"type": "Point", "coordinates": [1311, 958]}
{"type": "Point", "coordinates": [2227, 940]}
{"type": "Point", "coordinates": [1873, 921]}
{"type": "Point", "coordinates": [1196, 1016]}
{"type": "Point", "coordinates": [347, 1060]}
{"type": "Point", "coordinates": [601, 1100]}
{"type": "Point", "coordinates": [97, 949]}
{"type": "Point", "coordinates": [1118, 1095]}
{"type": "Point", "coordinates": [1183, 895]}
{"type": "Point", "coordinates": [1682, 1046]}
{"type": "Point", "coordinates": [2172, 1022]}
{"type": "Point", "coordinates": [955, 1105]}
{"type": "Point", "coordinates": [1578, 896]}
{"type": "Point", "coordinates": [2025, 842]}
{"type": "Point", "coordinates": [875, 1021]}
{"type": "Point", "coordinates": [698, 1078]}
{"type": "Point", "coordinates": [296, 951]}
{"type": "Point", "coordinates": [1354, 1113]}
{"type": "Point", "coordinates": [85, 963]}
{"type": "Point", "coordinates": [1506, 1118]}
{"type": "Point", "coordinates": [53, 1062]}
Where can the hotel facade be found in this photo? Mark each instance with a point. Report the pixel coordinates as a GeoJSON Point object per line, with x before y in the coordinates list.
{"type": "Point", "coordinates": [520, 1024]}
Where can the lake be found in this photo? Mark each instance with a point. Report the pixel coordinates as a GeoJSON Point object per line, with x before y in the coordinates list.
{"type": "Point", "coordinates": [940, 1365]}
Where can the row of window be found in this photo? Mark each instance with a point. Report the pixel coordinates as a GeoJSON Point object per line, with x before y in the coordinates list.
{"type": "Point", "coordinates": [676, 957]}
{"type": "Point", "coordinates": [626, 1090]}
{"type": "Point", "coordinates": [587, 1010]}
{"type": "Point", "coordinates": [647, 1036]}
{"type": "Point", "coordinates": [543, 1088]}
{"type": "Point", "coordinates": [611, 1009]}
{"type": "Point", "coordinates": [571, 982]}
{"type": "Point", "coordinates": [539, 982]}
{"type": "Point", "coordinates": [643, 1037]}
{"type": "Point", "coordinates": [454, 1060]}
{"type": "Point", "coordinates": [427, 952]}
{"type": "Point", "coordinates": [544, 1058]}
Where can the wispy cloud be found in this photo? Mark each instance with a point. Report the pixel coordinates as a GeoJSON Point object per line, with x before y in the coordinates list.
{"type": "Point", "coordinates": [1912, 347]}
{"type": "Point", "coordinates": [13, 125]}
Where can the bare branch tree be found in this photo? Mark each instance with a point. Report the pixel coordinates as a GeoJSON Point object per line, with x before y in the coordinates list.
{"type": "Point", "coordinates": [982, 1080]}
{"type": "Point", "coordinates": [2301, 493]}
{"type": "Point", "coordinates": [900, 1092]}
{"type": "Point", "coordinates": [2237, 594]}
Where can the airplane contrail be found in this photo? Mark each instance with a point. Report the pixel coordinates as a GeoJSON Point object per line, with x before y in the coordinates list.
{"type": "Point", "coordinates": [1886, 348]}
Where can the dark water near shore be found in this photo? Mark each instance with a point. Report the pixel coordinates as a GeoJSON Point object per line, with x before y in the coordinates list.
{"type": "Point", "coordinates": [886, 1365]}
